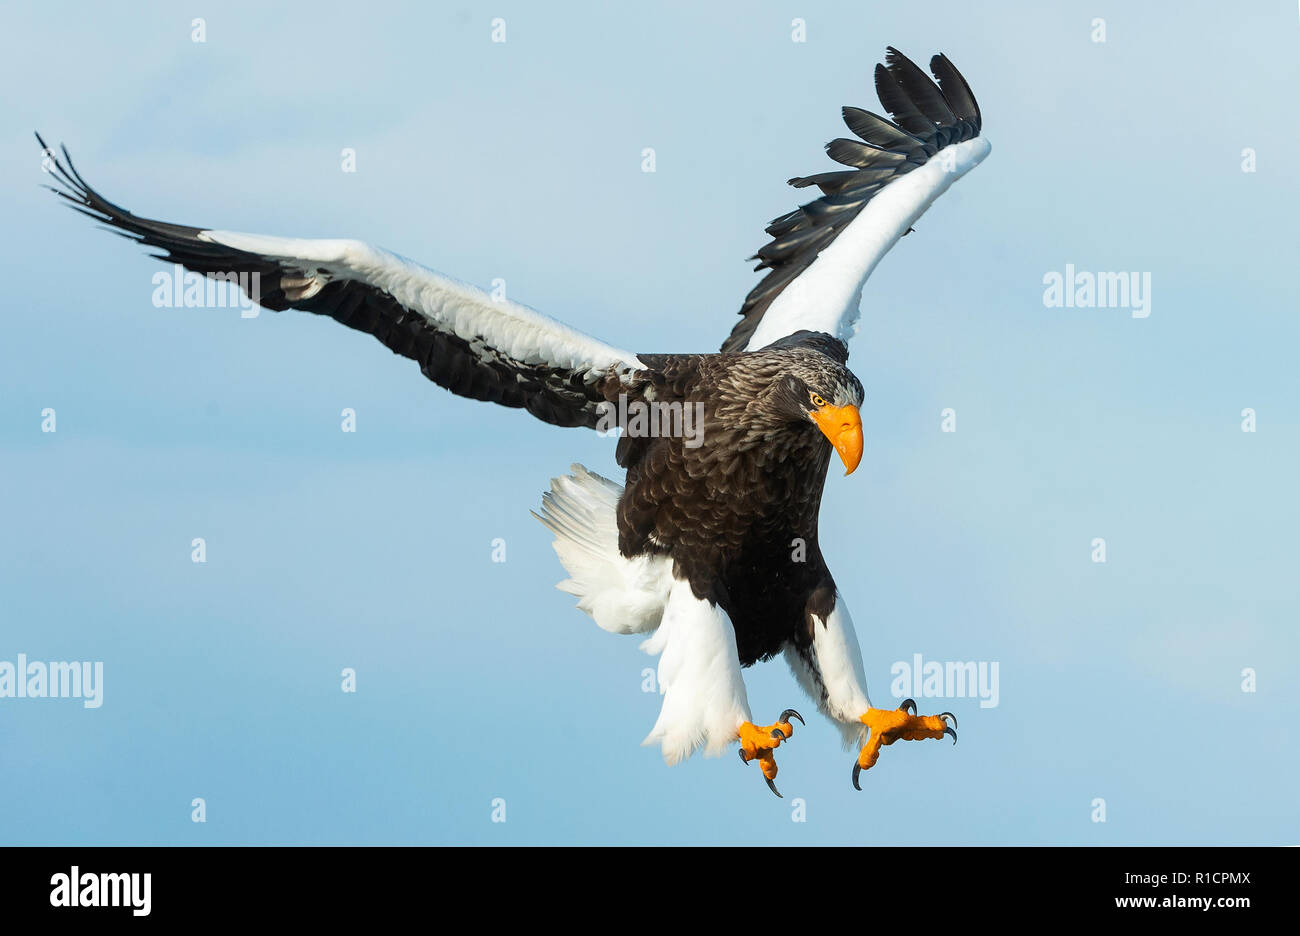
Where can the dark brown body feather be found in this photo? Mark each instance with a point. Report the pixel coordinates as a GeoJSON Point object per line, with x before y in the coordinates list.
{"type": "Point", "coordinates": [738, 514]}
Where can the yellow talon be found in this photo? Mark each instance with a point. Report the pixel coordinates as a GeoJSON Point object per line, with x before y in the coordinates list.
{"type": "Point", "coordinates": [890, 725]}
{"type": "Point", "coordinates": [758, 743]}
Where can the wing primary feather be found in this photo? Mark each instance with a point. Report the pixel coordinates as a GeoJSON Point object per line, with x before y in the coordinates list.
{"type": "Point", "coordinates": [956, 91]}
{"type": "Point", "coordinates": [927, 118]}
{"type": "Point", "coordinates": [878, 131]}
{"type": "Point", "coordinates": [861, 155]}
{"type": "Point", "coordinates": [920, 87]}
{"type": "Point", "coordinates": [900, 106]}
{"type": "Point", "coordinates": [826, 181]}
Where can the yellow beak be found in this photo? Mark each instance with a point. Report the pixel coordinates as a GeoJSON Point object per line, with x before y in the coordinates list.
{"type": "Point", "coordinates": [843, 426]}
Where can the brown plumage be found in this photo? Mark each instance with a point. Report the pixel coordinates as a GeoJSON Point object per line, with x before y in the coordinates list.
{"type": "Point", "coordinates": [734, 512]}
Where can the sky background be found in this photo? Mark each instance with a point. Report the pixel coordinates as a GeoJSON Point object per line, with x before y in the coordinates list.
{"type": "Point", "coordinates": [523, 160]}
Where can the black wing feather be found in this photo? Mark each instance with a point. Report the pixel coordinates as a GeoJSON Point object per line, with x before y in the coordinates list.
{"type": "Point", "coordinates": [555, 395]}
{"type": "Point", "coordinates": [927, 117]}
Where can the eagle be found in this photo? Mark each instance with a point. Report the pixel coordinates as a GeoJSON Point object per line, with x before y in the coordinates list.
{"type": "Point", "coordinates": [709, 547]}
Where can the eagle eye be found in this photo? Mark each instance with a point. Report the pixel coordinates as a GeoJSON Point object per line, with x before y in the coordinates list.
{"type": "Point", "coordinates": [816, 400]}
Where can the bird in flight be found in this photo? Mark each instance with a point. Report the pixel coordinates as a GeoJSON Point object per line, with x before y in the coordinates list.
{"type": "Point", "coordinates": [710, 544]}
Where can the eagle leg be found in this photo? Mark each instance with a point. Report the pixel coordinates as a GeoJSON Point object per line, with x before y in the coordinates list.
{"type": "Point", "coordinates": [758, 743]}
{"type": "Point", "coordinates": [887, 726]}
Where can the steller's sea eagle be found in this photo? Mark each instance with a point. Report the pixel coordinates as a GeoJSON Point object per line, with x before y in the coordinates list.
{"type": "Point", "coordinates": [695, 548]}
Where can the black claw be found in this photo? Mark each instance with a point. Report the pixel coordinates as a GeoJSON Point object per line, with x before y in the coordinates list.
{"type": "Point", "coordinates": [857, 769]}
{"type": "Point", "coordinates": [741, 752]}
{"type": "Point", "coordinates": [949, 731]}
{"type": "Point", "coordinates": [908, 704]}
{"type": "Point", "coordinates": [772, 786]}
{"type": "Point", "coordinates": [949, 715]}
{"type": "Point", "coordinates": [778, 733]}
{"type": "Point", "coordinates": [791, 713]}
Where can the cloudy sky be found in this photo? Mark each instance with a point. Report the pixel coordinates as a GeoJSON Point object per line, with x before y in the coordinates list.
{"type": "Point", "coordinates": [1120, 682]}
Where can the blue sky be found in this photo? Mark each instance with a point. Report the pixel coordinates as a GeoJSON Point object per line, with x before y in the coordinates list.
{"type": "Point", "coordinates": [522, 160]}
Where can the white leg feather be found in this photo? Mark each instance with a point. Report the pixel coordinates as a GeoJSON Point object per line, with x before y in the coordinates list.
{"type": "Point", "coordinates": [831, 671]}
{"type": "Point", "coordinates": [699, 677]}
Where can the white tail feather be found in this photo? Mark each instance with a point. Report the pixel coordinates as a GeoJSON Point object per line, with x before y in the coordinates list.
{"type": "Point", "coordinates": [623, 596]}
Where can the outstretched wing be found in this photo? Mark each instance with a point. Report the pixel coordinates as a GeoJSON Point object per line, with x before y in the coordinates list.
{"type": "Point", "coordinates": [461, 337]}
{"type": "Point", "coordinates": [821, 253]}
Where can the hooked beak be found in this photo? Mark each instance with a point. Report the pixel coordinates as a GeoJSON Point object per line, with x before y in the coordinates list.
{"type": "Point", "coordinates": [843, 426]}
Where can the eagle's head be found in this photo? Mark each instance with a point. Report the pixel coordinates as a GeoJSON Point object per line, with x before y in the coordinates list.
{"type": "Point", "coordinates": [811, 388]}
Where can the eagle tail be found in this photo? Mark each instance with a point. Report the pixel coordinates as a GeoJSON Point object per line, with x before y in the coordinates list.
{"type": "Point", "coordinates": [623, 596]}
